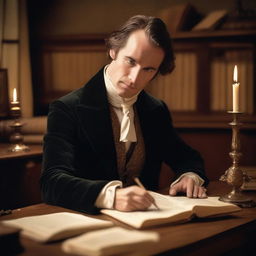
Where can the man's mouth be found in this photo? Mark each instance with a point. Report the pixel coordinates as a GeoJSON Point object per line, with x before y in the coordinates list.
{"type": "Point", "coordinates": [127, 85]}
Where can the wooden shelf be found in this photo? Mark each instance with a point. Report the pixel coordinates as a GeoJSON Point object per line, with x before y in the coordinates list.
{"type": "Point", "coordinates": [209, 34]}
{"type": "Point", "coordinates": [213, 34]}
{"type": "Point", "coordinates": [211, 121]}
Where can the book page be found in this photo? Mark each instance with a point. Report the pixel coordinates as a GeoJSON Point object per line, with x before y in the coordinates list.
{"type": "Point", "coordinates": [55, 226]}
{"type": "Point", "coordinates": [202, 207]}
{"type": "Point", "coordinates": [213, 207]}
{"type": "Point", "coordinates": [172, 209]}
{"type": "Point", "coordinates": [169, 212]}
{"type": "Point", "coordinates": [111, 241]}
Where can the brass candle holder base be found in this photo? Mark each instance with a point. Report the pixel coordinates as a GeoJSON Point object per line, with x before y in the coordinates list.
{"type": "Point", "coordinates": [234, 176]}
{"type": "Point", "coordinates": [16, 137]}
{"type": "Point", "coordinates": [18, 148]}
{"type": "Point", "coordinates": [235, 197]}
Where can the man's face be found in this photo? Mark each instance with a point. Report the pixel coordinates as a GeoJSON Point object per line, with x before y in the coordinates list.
{"type": "Point", "coordinates": [134, 65]}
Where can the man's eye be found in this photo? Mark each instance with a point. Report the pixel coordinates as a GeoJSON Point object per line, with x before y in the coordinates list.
{"type": "Point", "coordinates": [130, 62]}
{"type": "Point", "coordinates": [149, 70]}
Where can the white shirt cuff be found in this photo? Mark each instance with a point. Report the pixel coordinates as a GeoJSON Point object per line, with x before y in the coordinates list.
{"type": "Point", "coordinates": [197, 179]}
{"type": "Point", "coordinates": [106, 196]}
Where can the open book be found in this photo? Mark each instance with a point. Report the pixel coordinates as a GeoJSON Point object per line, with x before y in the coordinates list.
{"type": "Point", "coordinates": [111, 241]}
{"type": "Point", "coordinates": [172, 210]}
{"type": "Point", "coordinates": [56, 226]}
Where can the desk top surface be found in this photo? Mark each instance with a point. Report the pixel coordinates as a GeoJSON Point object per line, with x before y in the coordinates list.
{"type": "Point", "coordinates": [34, 150]}
{"type": "Point", "coordinates": [197, 237]}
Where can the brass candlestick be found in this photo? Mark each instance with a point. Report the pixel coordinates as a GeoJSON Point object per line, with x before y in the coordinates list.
{"type": "Point", "coordinates": [16, 137]}
{"type": "Point", "coordinates": [234, 175]}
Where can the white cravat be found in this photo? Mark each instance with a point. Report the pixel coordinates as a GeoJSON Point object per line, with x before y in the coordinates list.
{"type": "Point", "coordinates": [127, 131]}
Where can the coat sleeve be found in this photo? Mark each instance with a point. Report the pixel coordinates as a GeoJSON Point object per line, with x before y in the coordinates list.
{"type": "Point", "coordinates": [60, 184]}
{"type": "Point", "coordinates": [177, 154]}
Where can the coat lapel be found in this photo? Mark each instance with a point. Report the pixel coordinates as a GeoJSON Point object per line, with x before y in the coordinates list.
{"type": "Point", "coordinates": [94, 116]}
{"type": "Point", "coordinates": [146, 107]}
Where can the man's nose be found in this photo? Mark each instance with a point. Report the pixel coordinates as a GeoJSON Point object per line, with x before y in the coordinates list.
{"type": "Point", "coordinates": [134, 75]}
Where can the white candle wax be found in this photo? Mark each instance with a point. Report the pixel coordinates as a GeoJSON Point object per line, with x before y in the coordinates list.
{"type": "Point", "coordinates": [14, 97]}
{"type": "Point", "coordinates": [235, 97]}
{"type": "Point", "coordinates": [235, 91]}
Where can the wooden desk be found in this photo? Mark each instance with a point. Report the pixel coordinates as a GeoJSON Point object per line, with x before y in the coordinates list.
{"type": "Point", "coordinates": [35, 150]}
{"type": "Point", "coordinates": [231, 235]}
{"type": "Point", "coordinates": [19, 176]}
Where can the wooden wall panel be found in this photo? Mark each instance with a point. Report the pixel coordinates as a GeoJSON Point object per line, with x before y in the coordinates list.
{"type": "Point", "coordinates": [215, 145]}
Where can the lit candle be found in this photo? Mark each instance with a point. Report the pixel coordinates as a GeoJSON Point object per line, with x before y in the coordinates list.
{"type": "Point", "coordinates": [235, 91]}
{"type": "Point", "coordinates": [15, 108]}
{"type": "Point", "coordinates": [14, 97]}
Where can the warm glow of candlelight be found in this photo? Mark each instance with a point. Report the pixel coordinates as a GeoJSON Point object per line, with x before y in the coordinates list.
{"type": "Point", "coordinates": [235, 75]}
{"type": "Point", "coordinates": [14, 96]}
{"type": "Point", "coordinates": [235, 90]}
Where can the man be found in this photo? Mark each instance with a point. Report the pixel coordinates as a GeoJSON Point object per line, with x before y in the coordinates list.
{"type": "Point", "coordinates": [103, 135]}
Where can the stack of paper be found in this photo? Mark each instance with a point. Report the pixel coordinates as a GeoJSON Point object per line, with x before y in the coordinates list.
{"type": "Point", "coordinates": [56, 226]}
{"type": "Point", "coordinates": [111, 241]}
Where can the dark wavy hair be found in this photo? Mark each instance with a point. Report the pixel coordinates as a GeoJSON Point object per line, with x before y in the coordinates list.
{"type": "Point", "coordinates": [157, 32]}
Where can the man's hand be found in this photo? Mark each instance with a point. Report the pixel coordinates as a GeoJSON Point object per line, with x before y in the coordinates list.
{"type": "Point", "coordinates": [132, 198]}
{"type": "Point", "coordinates": [187, 185]}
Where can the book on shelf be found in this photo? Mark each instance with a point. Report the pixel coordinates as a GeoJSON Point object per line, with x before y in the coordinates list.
{"type": "Point", "coordinates": [56, 226]}
{"type": "Point", "coordinates": [173, 210]}
{"type": "Point", "coordinates": [240, 20]}
{"type": "Point", "coordinates": [211, 21]}
{"type": "Point", "coordinates": [179, 17]}
{"type": "Point", "coordinates": [111, 241]}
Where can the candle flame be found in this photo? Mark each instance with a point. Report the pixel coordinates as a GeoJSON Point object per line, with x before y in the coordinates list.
{"type": "Point", "coordinates": [14, 95]}
{"type": "Point", "coordinates": [235, 74]}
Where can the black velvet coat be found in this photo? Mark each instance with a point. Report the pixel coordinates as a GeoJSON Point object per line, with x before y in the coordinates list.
{"type": "Point", "coordinates": [79, 152]}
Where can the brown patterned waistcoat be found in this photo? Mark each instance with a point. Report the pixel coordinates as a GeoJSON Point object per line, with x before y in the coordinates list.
{"type": "Point", "coordinates": [130, 163]}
